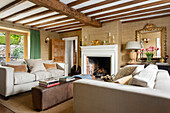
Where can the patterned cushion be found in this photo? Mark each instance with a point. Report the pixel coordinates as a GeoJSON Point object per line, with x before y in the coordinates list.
{"type": "Point", "coordinates": [126, 71]}
{"type": "Point", "coordinates": [35, 65]}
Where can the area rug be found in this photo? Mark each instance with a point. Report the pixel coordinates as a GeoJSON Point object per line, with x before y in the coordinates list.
{"type": "Point", "coordinates": [22, 103]}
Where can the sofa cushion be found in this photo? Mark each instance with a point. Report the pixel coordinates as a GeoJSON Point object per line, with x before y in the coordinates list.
{"type": "Point", "coordinates": [42, 75]}
{"type": "Point", "coordinates": [35, 65]}
{"type": "Point", "coordinates": [50, 66]}
{"type": "Point", "coordinates": [56, 72]}
{"type": "Point", "coordinates": [23, 77]}
{"type": "Point", "coordinates": [162, 81]}
{"type": "Point", "coordinates": [125, 71]}
{"type": "Point", "coordinates": [19, 68]}
{"type": "Point", "coordinates": [146, 77]}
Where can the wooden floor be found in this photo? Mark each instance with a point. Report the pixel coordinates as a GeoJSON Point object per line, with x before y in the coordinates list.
{"type": "Point", "coordinates": [3, 109]}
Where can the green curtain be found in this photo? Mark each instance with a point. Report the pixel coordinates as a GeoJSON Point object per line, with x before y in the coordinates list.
{"type": "Point", "coordinates": [35, 44]}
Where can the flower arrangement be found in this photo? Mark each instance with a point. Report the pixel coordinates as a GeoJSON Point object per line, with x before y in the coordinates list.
{"type": "Point", "coordinates": [149, 52]}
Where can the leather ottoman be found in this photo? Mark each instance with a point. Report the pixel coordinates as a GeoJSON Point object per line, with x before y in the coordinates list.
{"type": "Point", "coordinates": [44, 98]}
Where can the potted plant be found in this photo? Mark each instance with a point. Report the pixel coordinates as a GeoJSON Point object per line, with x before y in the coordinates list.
{"type": "Point", "coordinates": [149, 52]}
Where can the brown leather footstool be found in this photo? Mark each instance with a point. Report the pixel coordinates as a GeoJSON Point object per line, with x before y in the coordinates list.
{"type": "Point", "coordinates": [44, 98]}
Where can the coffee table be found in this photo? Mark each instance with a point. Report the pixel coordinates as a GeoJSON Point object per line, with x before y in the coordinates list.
{"type": "Point", "coordinates": [44, 98]}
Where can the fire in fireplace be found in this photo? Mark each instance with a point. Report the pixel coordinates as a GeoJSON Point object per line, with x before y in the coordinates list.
{"type": "Point", "coordinates": [98, 66]}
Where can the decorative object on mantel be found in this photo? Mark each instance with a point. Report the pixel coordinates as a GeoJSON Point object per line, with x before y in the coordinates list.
{"type": "Point", "coordinates": [133, 45]}
{"type": "Point", "coordinates": [149, 52]}
{"type": "Point", "coordinates": [111, 39]}
{"type": "Point", "coordinates": [84, 40]}
{"type": "Point", "coordinates": [105, 42]}
{"type": "Point", "coordinates": [96, 42]}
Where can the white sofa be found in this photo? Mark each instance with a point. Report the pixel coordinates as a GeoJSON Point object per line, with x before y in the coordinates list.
{"type": "Point", "coordinates": [16, 82]}
{"type": "Point", "coordinates": [91, 96]}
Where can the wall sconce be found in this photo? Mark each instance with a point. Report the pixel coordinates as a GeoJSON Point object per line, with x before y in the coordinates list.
{"type": "Point", "coordinates": [146, 40]}
{"type": "Point", "coordinates": [47, 39]}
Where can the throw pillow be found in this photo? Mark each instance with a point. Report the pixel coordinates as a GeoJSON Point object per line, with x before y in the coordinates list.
{"type": "Point", "coordinates": [125, 71]}
{"type": "Point", "coordinates": [50, 66]}
{"type": "Point", "coordinates": [146, 77]}
{"type": "Point", "coordinates": [19, 68]}
{"type": "Point", "coordinates": [124, 80]}
{"type": "Point", "coordinates": [35, 65]}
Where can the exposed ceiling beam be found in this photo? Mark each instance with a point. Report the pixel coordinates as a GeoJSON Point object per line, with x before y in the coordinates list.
{"type": "Point", "coordinates": [141, 15]}
{"type": "Point", "coordinates": [115, 6]}
{"type": "Point", "coordinates": [62, 26]}
{"type": "Point", "coordinates": [68, 28]}
{"type": "Point", "coordinates": [42, 19]}
{"type": "Point", "coordinates": [56, 5]}
{"type": "Point", "coordinates": [76, 3]}
{"type": "Point", "coordinates": [136, 12]}
{"type": "Point", "coordinates": [167, 15]}
{"type": "Point", "coordinates": [58, 24]}
{"type": "Point", "coordinates": [97, 5]}
{"type": "Point", "coordinates": [21, 12]}
{"type": "Point", "coordinates": [34, 16]}
{"type": "Point", "coordinates": [132, 8]}
{"type": "Point", "coordinates": [52, 21]}
{"type": "Point", "coordinates": [11, 5]}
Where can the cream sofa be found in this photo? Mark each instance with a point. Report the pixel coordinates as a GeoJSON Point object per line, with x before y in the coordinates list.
{"type": "Point", "coordinates": [16, 82]}
{"type": "Point", "coordinates": [91, 96]}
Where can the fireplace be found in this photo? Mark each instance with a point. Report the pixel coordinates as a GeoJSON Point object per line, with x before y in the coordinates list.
{"type": "Point", "coordinates": [105, 52]}
{"type": "Point", "coordinates": [98, 66]}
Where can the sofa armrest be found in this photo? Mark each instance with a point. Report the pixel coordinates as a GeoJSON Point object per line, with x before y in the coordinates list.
{"type": "Point", "coordinates": [91, 96]}
{"type": "Point", "coordinates": [6, 81]}
{"type": "Point", "coordinates": [64, 67]}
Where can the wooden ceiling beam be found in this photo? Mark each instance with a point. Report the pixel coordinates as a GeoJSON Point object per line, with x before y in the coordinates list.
{"type": "Point", "coordinates": [58, 24]}
{"type": "Point", "coordinates": [62, 26]}
{"type": "Point", "coordinates": [132, 8]}
{"type": "Point", "coordinates": [42, 19]}
{"type": "Point", "coordinates": [76, 3]}
{"type": "Point", "coordinates": [21, 12]}
{"type": "Point", "coordinates": [115, 6]}
{"type": "Point", "coordinates": [136, 12]}
{"type": "Point", "coordinates": [56, 5]}
{"type": "Point", "coordinates": [52, 21]}
{"type": "Point", "coordinates": [137, 16]}
{"type": "Point", "coordinates": [167, 15]}
{"type": "Point", "coordinates": [33, 16]}
{"type": "Point", "coordinates": [11, 5]}
{"type": "Point", "coordinates": [96, 5]}
{"type": "Point", "coordinates": [68, 28]}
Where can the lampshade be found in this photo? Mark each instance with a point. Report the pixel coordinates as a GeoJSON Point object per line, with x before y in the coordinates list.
{"type": "Point", "coordinates": [133, 45]}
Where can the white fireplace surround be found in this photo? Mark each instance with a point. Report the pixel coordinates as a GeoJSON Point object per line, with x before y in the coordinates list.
{"type": "Point", "coordinates": [100, 51]}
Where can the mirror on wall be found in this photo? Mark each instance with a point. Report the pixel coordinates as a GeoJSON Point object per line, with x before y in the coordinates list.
{"type": "Point", "coordinates": [152, 35]}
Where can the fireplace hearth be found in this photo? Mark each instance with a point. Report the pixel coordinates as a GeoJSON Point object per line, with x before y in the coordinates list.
{"type": "Point", "coordinates": [98, 66]}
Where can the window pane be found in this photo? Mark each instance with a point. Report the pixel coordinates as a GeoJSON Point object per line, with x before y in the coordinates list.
{"type": "Point", "coordinates": [2, 46]}
{"type": "Point", "coordinates": [16, 47]}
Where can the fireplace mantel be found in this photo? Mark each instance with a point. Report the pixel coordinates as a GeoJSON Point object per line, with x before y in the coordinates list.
{"type": "Point", "coordinates": [100, 51]}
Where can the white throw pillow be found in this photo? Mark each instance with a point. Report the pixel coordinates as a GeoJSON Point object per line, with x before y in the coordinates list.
{"type": "Point", "coordinates": [146, 77]}
{"type": "Point", "coordinates": [35, 65]}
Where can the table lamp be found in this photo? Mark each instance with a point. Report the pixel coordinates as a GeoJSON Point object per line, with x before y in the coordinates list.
{"type": "Point", "coordinates": [133, 45]}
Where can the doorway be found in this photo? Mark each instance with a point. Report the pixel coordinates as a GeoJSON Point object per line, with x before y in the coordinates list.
{"type": "Point", "coordinates": [13, 46]}
{"type": "Point", "coordinates": [71, 52]}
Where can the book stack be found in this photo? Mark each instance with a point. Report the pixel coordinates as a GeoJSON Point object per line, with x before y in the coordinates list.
{"type": "Point", "coordinates": [48, 83]}
{"type": "Point", "coordinates": [66, 79]}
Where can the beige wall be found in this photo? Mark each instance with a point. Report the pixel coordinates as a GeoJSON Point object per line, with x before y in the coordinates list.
{"type": "Point", "coordinates": [46, 47]}
{"type": "Point", "coordinates": [128, 34]}
{"type": "Point", "coordinates": [102, 33]}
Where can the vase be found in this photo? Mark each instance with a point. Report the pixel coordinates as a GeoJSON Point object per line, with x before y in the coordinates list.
{"type": "Point", "coordinates": [149, 57]}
